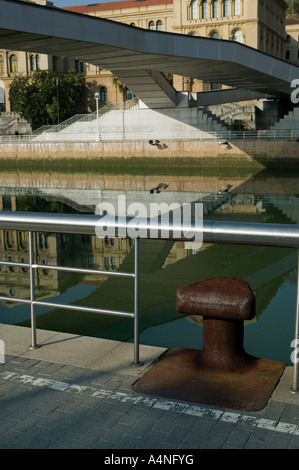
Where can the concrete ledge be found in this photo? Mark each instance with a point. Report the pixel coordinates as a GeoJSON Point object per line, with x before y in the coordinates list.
{"type": "Point", "coordinates": [282, 392]}
{"type": "Point", "coordinates": [78, 351]}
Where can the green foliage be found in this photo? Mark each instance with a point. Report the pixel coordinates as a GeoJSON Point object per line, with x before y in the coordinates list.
{"type": "Point", "coordinates": [39, 99]}
{"type": "Point", "coordinates": [293, 7]}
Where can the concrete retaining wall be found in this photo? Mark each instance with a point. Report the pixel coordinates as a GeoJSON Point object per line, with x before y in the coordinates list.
{"type": "Point", "coordinates": [250, 151]}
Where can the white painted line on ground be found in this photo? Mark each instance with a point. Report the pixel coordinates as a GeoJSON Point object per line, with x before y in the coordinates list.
{"type": "Point", "coordinates": [166, 405]}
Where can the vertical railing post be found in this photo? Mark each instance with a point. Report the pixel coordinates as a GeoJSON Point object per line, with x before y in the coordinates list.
{"type": "Point", "coordinates": [136, 302]}
{"type": "Point", "coordinates": [295, 388]}
{"type": "Point", "coordinates": [32, 291]}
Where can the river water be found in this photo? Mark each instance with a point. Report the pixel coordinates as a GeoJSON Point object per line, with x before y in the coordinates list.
{"type": "Point", "coordinates": [263, 197]}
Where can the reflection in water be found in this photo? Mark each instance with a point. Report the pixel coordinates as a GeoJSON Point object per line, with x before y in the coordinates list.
{"type": "Point", "coordinates": [165, 266]}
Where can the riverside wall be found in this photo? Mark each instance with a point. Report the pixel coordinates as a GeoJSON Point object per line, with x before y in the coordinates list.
{"type": "Point", "coordinates": [257, 151]}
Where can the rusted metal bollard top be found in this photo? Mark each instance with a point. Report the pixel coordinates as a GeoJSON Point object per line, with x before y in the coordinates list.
{"type": "Point", "coordinates": [223, 298]}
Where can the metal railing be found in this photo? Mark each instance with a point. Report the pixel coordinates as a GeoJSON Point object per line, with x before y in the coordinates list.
{"type": "Point", "coordinates": [224, 137]}
{"type": "Point", "coordinates": [239, 233]}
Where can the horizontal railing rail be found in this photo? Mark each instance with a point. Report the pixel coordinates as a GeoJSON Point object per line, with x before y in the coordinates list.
{"type": "Point", "coordinates": [225, 137]}
{"type": "Point", "coordinates": [241, 233]}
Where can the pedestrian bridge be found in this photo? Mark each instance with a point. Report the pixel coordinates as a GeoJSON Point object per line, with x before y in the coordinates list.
{"type": "Point", "coordinates": [139, 58]}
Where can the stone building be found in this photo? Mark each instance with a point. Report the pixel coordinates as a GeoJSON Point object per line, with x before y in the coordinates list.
{"type": "Point", "coordinates": [292, 40]}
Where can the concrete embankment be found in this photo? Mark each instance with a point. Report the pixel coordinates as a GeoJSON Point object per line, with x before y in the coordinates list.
{"type": "Point", "coordinates": [257, 152]}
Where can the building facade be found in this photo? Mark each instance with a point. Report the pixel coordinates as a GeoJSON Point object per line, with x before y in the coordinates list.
{"type": "Point", "coordinates": [292, 40]}
{"type": "Point", "coordinates": [260, 24]}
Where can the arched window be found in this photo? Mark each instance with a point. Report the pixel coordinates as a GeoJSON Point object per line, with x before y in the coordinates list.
{"type": "Point", "coordinates": [238, 36]}
{"type": "Point", "coordinates": [132, 24]}
{"type": "Point", "coordinates": [1, 64]}
{"type": "Point", "coordinates": [37, 62]}
{"type": "Point", "coordinates": [193, 7]}
{"type": "Point", "coordinates": [215, 9]}
{"type": "Point", "coordinates": [151, 25]}
{"type": "Point", "coordinates": [32, 63]}
{"type": "Point", "coordinates": [237, 7]}
{"type": "Point", "coordinates": [103, 94]}
{"type": "Point", "coordinates": [215, 35]}
{"type": "Point", "coordinates": [13, 63]}
{"type": "Point", "coordinates": [226, 8]}
{"type": "Point", "coordinates": [159, 25]}
{"type": "Point", "coordinates": [204, 9]}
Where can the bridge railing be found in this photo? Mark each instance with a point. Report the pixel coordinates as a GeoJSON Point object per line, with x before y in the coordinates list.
{"type": "Point", "coordinates": [257, 234]}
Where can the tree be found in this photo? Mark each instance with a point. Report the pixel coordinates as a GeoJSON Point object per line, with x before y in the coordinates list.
{"type": "Point", "coordinates": [293, 9]}
{"type": "Point", "coordinates": [41, 98]}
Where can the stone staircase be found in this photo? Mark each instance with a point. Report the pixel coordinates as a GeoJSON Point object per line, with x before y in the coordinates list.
{"type": "Point", "coordinates": [11, 123]}
{"type": "Point", "coordinates": [290, 121]}
{"type": "Point", "coordinates": [288, 205]}
{"type": "Point", "coordinates": [142, 124]}
{"type": "Point", "coordinates": [234, 115]}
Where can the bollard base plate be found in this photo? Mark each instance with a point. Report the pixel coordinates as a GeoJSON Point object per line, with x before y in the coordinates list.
{"type": "Point", "coordinates": [179, 375]}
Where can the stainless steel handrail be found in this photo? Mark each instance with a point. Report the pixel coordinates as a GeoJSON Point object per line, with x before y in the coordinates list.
{"type": "Point", "coordinates": [240, 233]}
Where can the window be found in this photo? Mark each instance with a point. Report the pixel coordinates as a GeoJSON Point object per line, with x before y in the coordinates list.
{"type": "Point", "coordinates": [238, 36]}
{"type": "Point", "coordinates": [103, 94]}
{"type": "Point", "coordinates": [159, 25]}
{"type": "Point", "coordinates": [205, 9]}
{"type": "Point", "coordinates": [226, 8]}
{"type": "Point", "coordinates": [1, 64]}
{"type": "Point", "coordinates": [151, 25]}
{"type": "Point", "coordinates": [237, 7]}
{"type": "Point", "coordinates": [2, 99]}
{"type": "Point", "coordinates": [215, 8]}
{"type": "Point", "coordinates": [287, 55]}
{"type": "Point", "coordinates": [32, 63]}
{"type": "Point", "coordinates": [55, 62]}
{"type": "Point", "coordinates": [193, 7]}
{"type": "Point", "coordinates": [79, 65]}
{"type": "Point", "coordinates": [13, 63]}
{"type": "Point", "coordinates": [215, 35]}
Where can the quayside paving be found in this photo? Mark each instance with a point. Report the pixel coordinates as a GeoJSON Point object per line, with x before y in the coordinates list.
{"type": "Point", "coordinates": [75, 392]}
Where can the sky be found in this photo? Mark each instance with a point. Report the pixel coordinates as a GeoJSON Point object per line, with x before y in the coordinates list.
{"type": "Point", "coordinates": [71, 3]}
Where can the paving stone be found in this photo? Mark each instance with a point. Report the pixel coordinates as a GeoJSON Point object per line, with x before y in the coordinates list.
{"type": "Point", "coordinates": [9, 438]}
{"type": "Point", "coordinates": [279, 441]}
{"type": "Point", "coordinates": [87, 409]}
{"type": "Point", "coordinates": [214, 441]}
{"type": "Point", "coordinates": [117, 432]}
{"type": "Point", "coordinates": [176, 435]}
{"type": "Point", "coordinates": [239, 438]}
{"type": "Point", "coordinates": [294, 444]}
{"type": "Point", "coordinates": [152, 440]}
{"type": "Point", "coordinates": [133, 416]}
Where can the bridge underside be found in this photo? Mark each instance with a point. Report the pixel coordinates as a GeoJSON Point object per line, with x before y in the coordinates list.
{"type": "Point", "coordinates": [139, 57]}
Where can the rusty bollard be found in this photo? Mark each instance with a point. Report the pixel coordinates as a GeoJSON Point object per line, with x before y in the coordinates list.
{"type": "Point", "coordinates": [222, 373]}
{"type": "Point", "coordinates": [224, 304]}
